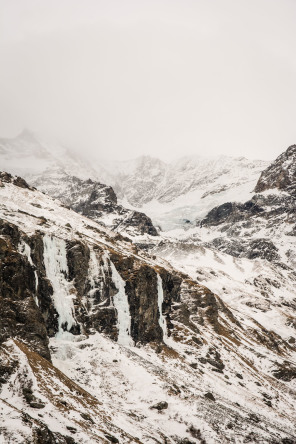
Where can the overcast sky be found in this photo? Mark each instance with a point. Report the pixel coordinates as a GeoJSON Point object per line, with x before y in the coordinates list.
{"type": "Point", "coordinates": [165, 78]}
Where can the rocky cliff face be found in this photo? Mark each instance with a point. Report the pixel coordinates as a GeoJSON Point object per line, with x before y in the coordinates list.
{"type": "Point", "coordinates": [281, 174]}
{"type": "Point", "coordinates": [110, 317]}
{"type": "Point", "coordinates": [32, 304]}
{"type": "Point", "coordinates": [20, 315]}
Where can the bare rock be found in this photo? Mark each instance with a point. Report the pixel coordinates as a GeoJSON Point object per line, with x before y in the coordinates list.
{"type": "Point", "coordinates": [162, 405]}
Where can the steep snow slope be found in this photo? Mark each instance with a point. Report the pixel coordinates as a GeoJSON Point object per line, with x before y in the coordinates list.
{"type": "Point", "coordinates": [218, 376]}
{"type": "Point", "coordinates": [40, 404]}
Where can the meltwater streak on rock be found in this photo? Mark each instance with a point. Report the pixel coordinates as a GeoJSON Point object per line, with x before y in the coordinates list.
{"type": "Point", "coordinates": [121, 305]}
{"type": "Point", "coordinates": [161, 320]}
{"type": "Point", "coordinates": [55, 261]}
{"type": "Point", "coordinates": [25, 249]}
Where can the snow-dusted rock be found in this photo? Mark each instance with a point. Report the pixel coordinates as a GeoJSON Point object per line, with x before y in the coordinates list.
{"type": "Point", "coordinates": [281, 174]}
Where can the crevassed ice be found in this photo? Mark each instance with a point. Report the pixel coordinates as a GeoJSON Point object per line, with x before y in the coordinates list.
{"type": "Point", "coordinates": [121, 304]}
{"type": "Point", "coordinates": [25, 249]}
{"type": "Point", "coordinates": [161, 320]}
{"type": "Point", "coordinates": [55, 261]}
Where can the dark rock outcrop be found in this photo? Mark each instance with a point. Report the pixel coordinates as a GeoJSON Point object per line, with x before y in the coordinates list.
{"type": "Point", "coordinates": [78, 264]}
{"type": "Point", "coordinates": [285, 371]}
{"type": "Point", "coordinates": [268, 207]}
{"type": "Point", "coordinates": [160, 406]}
{"type": "Point", "coordinates": [231, 212]}
{"type": "Point", "coordinates": [210, 396]}
{"type": "Point", "coordinates": [44, 290]}
{"type": "Point", "coordinates": [281, 174]}
{"type": "Point", "coordinates": [249, 248]}
{"type": "Point", "coordinates": [142, 290]}
{"type": "Point", "coordinates": [19, 313]}
{"type": "Point", "coordinates": [15, 180]}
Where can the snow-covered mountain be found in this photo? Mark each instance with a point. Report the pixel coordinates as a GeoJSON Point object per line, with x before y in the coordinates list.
{"type": "Point", "coordinates": [174, 195]}
{"type": "Point", "coordinates": [69, 178]}
{"type": "Point", "coordinates": [179, 193]}
{"type": "Point", "coordinates": [101, 342]}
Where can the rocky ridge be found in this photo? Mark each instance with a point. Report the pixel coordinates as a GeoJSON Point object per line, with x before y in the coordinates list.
{"type": "Point", "coordinates": [94, 200]}
{"type": "Point", "coordinates": [281, 174]}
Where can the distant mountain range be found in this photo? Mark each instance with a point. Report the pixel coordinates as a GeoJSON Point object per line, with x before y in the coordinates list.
{"type": "Point", "coordinates": [173, 195]}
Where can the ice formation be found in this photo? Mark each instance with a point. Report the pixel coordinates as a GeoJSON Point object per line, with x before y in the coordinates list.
{"type": "Point", "coordinates": [121, 304]}
{"type": "Point", "coordinates": [55, 261]}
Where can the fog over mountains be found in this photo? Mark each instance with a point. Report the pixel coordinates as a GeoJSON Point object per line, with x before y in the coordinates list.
{"type": "Point", "coordinates": [172, 194]}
